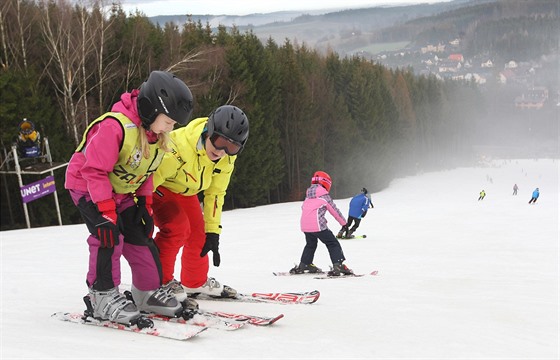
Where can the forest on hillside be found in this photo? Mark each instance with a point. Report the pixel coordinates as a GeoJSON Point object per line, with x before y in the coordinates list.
{"type": "Point", "coordinates": [520, 29]}
{"type": "Point", "coordinates": [524, 30]}
{"type": "Point", "coordinates": [63, 65]}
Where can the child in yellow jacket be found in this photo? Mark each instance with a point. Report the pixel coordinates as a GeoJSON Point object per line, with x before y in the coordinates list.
{"type": "Point", "coordinates": [202, 160]}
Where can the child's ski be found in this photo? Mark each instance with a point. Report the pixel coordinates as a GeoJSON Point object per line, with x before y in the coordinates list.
{"type": "Point", "coordinates": [287, 273]}
{"type": "Point", "coordinates": [352, 237]}
{"type": "Point", "coordinates": [306, 297]}
{"type": "Point", "coordinates": [250, 319]}
{"type": "Point", "coordinates": [330, 276]}
{"type": "Point", "coordinates": [201, 319]}
{"type": "Point", "coordinates": [160, 328]}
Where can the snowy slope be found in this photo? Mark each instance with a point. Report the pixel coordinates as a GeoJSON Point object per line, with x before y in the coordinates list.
{"type": "Point", "coordinates": [458, 279]}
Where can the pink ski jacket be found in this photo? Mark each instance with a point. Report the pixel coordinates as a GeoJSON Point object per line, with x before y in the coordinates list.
{"type": "Point", "coordinates": [317, 202]}
{"type": "Point", "coordinates": [90, 174]}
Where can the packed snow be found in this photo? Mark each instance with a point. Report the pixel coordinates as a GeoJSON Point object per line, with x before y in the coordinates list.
{"type": "Point", "coordinates": [457, 279]}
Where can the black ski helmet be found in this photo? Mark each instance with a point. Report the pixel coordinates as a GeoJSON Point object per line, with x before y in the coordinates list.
{"type": "Point", "coordinates": [230, 122]}
{"type": "Point", "coordinates": [364, 190]}
{"type": "Point", "coordinates": [164, 93]}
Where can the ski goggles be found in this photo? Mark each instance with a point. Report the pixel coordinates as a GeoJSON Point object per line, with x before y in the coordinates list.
{"type": "Point", "coordinates": [222, 142]}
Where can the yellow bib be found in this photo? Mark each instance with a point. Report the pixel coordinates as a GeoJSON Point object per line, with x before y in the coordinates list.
{"type": "Point", "coordinates": [131, 169]}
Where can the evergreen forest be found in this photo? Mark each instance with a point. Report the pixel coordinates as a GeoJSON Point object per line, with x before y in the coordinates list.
{"type": "Point", "coordinates": [63, 65]}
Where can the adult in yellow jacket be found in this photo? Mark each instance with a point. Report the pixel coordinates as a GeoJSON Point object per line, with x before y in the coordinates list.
{"type": "Point", "coordinates": [201, 160]}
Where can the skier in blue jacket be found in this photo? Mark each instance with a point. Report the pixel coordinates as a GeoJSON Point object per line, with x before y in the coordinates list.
{"type": "Point", "coordinates": [359, 206]}
{"type": "Point", "coordinates": [535, 196]}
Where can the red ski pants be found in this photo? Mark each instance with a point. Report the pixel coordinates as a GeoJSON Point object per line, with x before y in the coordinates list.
{"type": "Point", "coordinates": [181, 224]}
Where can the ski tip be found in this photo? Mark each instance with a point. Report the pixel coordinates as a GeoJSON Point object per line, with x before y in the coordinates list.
{"type": "Point", "coordinates": [276, 319]}
{"type": "Point", "coordinates": [316, 295]}
{"type": "Point", "coordinates": [374, 272]}
{"type": "Point", "coordinates": [60, 315]}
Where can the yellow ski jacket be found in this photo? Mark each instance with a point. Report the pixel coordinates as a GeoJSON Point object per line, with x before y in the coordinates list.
{"type": "Point", "coordinates": [187, 170]}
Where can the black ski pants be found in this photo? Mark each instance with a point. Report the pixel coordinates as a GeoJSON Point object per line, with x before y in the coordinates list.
{"type": "Point", "coordinates": [327, 238]}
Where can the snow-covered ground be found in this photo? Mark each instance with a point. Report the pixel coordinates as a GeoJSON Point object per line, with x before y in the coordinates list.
{"type": "Point", "coordinates": [458, 279]}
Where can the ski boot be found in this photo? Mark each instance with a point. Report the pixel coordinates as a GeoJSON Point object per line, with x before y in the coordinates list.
{"type": "Point", "coordinates": [212, 288]}
{"type": "Point", "coordinates": [175, 288]}
{"type": "Point", "coordinates": [159, 301]}
{"type": "Point", "coordinates": [340, 269]}
{"type": "Point", "coordinates": [303, 268]}
{"type": "Point", "coordinates": [190, 308]}
{"type": "Point", "coordinates": [340, 234]}
{"type": "Point", "coordinates": [113, 306]}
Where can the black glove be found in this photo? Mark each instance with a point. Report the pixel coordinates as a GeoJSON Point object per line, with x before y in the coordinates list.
{"type": "Point", "coordinates": [364, 214]}
{"type": "Point", "coordinates": [144, 215]}
{"type": "Point", "coordinates": [106, 224]}
{"type": "Point", "coordinates": [212, 243]}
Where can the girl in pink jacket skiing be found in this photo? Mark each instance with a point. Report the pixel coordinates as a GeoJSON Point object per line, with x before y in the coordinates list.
{"type": "Point", "coordinates": [314, 225]}
{"type": "Point", "coordinates": [110, 181]}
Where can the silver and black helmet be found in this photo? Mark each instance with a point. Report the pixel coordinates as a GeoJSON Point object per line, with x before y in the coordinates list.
{"type": "Point", "coordinates": [231, 123]}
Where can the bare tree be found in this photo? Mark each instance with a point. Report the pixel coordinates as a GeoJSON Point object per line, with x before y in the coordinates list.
{"type": "Point", "coordinates": [104, 62]}
{"type": "Point", "coordinates": [64, 45]}
{"type": "Point", "coordinates": [94, 25]}
{"type": "Point", "coordinates": [84, 22]}
{"type": "Point", "coordinates": [184, 64]}
{"type": "Point", "coordinates": [15, 33]}
{"type": "Point", "coordinates": [3, 36]}
{"type": "Point", "coordinates": [22, 35]}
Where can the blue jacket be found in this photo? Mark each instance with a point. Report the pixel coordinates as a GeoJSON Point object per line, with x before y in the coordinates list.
{"type": "Point", "coordinates": [358, 205]}
{"type": "Point", "coordinates": [536, 193]}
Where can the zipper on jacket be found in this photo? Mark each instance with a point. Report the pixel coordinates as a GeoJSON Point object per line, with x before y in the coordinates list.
{"type": "Point", "coordinates": [201, 179]}
{"type": "Point", "coordinates": [215, 205]}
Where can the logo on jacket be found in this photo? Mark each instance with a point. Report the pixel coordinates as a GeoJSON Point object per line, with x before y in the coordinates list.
{"type": "Point", "coordinates": [134, 159]}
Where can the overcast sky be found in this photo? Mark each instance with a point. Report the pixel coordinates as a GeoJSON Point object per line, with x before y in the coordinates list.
{"type": "Point", "coordinates": [245, 7]}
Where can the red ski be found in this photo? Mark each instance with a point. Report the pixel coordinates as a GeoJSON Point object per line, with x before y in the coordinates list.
{"type": "Point", "coordinates": [307, 297]}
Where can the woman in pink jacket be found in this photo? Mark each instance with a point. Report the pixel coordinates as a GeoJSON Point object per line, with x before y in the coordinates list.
{"type": "Point", "coordinates": [110, 181]}
{"type": "Point", "coordinates": [314, 225]}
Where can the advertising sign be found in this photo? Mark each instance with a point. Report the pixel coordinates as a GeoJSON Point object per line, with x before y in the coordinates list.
{"type": "Point", "coordinates": [38, 189]}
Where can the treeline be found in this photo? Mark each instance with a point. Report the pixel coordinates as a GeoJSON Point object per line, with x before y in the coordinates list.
{"type": "Point", "coordinates": [63, 65]}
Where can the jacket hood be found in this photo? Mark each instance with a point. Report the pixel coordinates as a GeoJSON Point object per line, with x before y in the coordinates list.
{"type": "Point", "coordinates": [315, 191]}
{"type": "Point", "coordinates": [128, 107]}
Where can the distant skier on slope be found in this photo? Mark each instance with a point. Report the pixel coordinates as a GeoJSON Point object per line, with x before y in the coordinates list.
{"type": "Point", "coordinates": [314, 225]}
{"type": "Point", "coordinates": [359, 206]}
{"type": "Point", "coordinates": [482, 195]}
{"type": "Point", "coordinates": [535, 196]}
